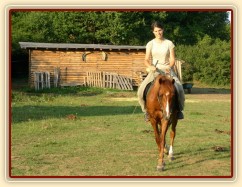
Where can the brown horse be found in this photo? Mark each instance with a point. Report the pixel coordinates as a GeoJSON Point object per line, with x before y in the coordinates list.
{"type": "Point", "coordinates": [161, 105]}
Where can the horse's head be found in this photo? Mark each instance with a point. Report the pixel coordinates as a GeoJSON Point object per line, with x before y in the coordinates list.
{"type": "Point", "coordinates": [166, 95]}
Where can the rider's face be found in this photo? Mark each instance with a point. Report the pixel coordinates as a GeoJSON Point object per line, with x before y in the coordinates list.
{"type": "Point", "coordinates": [158, 32]}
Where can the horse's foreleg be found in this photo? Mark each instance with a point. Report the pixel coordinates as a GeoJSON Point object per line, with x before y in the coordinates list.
{"type": "Point", "coordinates": [165, 148]}
{"type": "Point", "coordinates": [161, 162]}
{"type": "Point", "coordinates": [156, 132]}
{"type": "Point", "coordinates": [172, 137]}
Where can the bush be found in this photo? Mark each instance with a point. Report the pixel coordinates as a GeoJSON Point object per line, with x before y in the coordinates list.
{"type": "Point", "coordinates": [208, 61]}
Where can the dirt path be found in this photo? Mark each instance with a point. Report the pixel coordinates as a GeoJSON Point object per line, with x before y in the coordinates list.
{"type": "Point", "coordinates": [197, 95]}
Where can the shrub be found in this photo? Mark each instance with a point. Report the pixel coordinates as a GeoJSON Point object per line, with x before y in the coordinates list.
{"type": "Point", "coordinates": [208, 61]}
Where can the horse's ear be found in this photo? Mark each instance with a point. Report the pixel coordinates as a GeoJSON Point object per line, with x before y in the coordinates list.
{"type": "Point", "coordinates": [161, 79]}
{"type": "Point", "coordinates": [173, 81]}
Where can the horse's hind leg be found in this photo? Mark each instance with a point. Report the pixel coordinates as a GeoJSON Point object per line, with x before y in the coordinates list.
{"type": "Point", "coordinates": [172, 137]}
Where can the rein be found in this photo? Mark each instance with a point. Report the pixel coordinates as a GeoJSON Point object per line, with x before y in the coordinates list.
{"type": "Point", "coordinates": [164, 73]}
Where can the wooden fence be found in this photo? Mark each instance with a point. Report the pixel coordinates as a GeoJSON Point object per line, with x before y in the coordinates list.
{"type": "Point", "coordinates": [41, 80]}
{"type": "Point", "coordinates": [108, 80]}
{"type": "Point", "coordinates": [178, 70]}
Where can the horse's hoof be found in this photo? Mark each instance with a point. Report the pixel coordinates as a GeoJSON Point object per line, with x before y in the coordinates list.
{"type": "Point", "coordinates": [171, 158]}
{"type": "Point", "coordinates": [161, 168]}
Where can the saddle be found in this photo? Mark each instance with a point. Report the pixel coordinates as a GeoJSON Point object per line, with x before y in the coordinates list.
{"type": "Point", "coordinates": [147, 89]}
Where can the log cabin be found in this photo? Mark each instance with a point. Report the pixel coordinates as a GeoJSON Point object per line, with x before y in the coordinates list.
{"type": "Point", "coordinates": [73, 61]}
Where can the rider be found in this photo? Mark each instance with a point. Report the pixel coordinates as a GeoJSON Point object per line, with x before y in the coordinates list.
{"type": "Point", "coordinates": [163, 58]}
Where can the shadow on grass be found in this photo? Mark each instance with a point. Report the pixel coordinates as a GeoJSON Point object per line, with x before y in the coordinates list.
{"type": "Point", "coordinates": [196, 90]}
{"type": "Point", "coordinates": [26, 113]}
{"type": "Point", "coordinates": [183, 159]}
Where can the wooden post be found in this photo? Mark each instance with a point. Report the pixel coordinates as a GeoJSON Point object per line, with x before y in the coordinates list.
{"type": "Point", "coordinates": [178, 69]}
{"type": "Point", "coordinates": [88, 78]}
{"type": "Point", "coordinates": [56, 76]}
{"type": "Point", "coordinates": [30, 67]}
{"type": "Point", "coordinates": [35, 81]}
{"type": "Point", "coordinates": [42, 80]}
{"type": "Point", "coordinates": [48, 79]}
{"type": "Point", "coordinates": [103, 80]}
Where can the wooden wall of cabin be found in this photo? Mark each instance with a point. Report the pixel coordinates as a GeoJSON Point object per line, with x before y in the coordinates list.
{"type": "Point", "coordinates": [138, 67]}
{"type": "Point", "coordinates": [73, 69]}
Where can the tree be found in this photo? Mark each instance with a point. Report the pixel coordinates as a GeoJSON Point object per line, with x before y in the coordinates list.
{"type": "Point", "coordinates": [197, 34]}
{"type": "Point", "coordinates": [188, 27]}
{"type": "Point", "coordinates": [123, 27]}
{"type": "Point", "coordinates": [208, 61]}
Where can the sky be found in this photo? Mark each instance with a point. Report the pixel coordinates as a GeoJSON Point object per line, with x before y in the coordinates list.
{"type": "Point", "coordinates": [229, 16]}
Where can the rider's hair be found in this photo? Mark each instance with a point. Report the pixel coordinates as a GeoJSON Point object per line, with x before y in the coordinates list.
{"type": "Point", "coordinates": [157, 24]}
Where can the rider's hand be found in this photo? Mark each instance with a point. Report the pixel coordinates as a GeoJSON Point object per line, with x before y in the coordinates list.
{"type": "Point", "coordinates": [168, 71]}
{"type": "Point", "coordinates": [152, 68]}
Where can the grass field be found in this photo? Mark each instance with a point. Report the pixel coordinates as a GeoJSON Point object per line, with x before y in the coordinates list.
{"type": "Point", "coordinates": [94, 132]}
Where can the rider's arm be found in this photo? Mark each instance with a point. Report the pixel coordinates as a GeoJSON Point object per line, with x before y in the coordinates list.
{"type": "Point", "coordinates": [147, 59]}
{"type": "Point", "coordinates": [172, 57]}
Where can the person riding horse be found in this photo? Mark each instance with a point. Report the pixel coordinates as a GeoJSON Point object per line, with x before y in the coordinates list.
{"type": "Point", "coordinates": [163, 59]}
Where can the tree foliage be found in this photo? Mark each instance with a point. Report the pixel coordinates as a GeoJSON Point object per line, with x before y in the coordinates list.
{"type": "Point", "coordinates": [202, 38]}
{"type": "Point", "coordinates": [208, 61]}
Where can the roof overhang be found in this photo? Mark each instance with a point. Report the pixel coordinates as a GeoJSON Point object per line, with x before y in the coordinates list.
{"type": "Point", "coordinates": [75, 46]}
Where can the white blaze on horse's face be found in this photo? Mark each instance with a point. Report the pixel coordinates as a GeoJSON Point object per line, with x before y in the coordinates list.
{"type": "Point", "coordinates": [167, 105]}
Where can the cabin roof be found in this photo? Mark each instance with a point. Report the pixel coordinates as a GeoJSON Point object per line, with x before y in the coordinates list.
{"type": "Point", "coordinates": [35, 45]}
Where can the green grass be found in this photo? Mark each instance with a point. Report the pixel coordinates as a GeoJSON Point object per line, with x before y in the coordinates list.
{"type": "Point", "coordinates": [86, 132]}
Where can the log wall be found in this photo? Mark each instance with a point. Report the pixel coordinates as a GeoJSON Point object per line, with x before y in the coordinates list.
{"type": "Point", "coordinates": [73, 69]}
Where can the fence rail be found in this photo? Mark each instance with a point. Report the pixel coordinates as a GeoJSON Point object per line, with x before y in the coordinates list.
{"type": "Point", "coordinates": [108, 80]}
{"type": "Point", "coordinates": [41, 80]}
